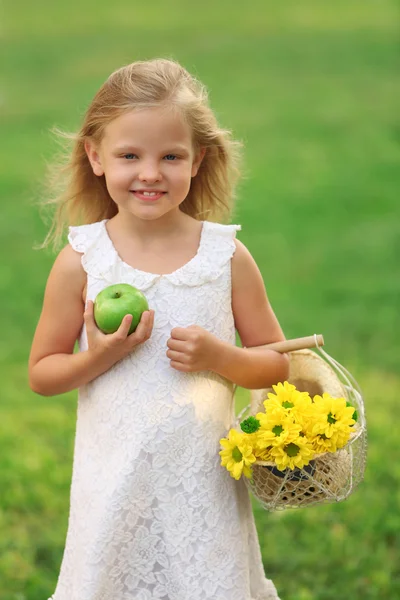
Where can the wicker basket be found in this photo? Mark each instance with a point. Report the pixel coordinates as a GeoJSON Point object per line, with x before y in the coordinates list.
{"type": "Point", "coordinates": [329, 477]}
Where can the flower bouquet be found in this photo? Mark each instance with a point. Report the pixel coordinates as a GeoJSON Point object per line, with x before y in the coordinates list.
{"type": "Point", "coordinates": [305, 441]}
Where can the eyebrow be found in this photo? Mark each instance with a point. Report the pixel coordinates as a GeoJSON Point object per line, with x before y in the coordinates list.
{"type": "Point", "coordinates": [128, 148]}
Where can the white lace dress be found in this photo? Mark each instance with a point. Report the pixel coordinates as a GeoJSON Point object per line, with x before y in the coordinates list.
{"type": "Point", "coordinates": [153, 515]}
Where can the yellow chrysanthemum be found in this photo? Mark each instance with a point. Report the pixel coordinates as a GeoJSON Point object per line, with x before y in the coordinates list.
{"type": "Point", "coordinates": [286, 395]}
{"type": "Point", "coordinates": [251, 439]}
{"type": "Point", "coordinates": [276, 428]}
{"type": "Point", "coordinates": [296, 454]}
{"type": "Point", "coordinates": [332, 418]}
{"type": "Point", "coordinates": [321, 443]}
{"type": "Point", "coordinates": [237, 455]}
{"type": "Point", "coordinates": [264, 454]}
{"type": "Point", "coordinates": [342, 436]}
{"type": "Point", "coordinates": [296, 404]}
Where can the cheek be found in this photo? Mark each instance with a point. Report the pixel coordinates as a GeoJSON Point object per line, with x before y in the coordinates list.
{"type": "Point", "coordinates": [183, 179]}
{"type": "Point", "coordinates": [183, 186]}
{"type": "Point", "coordinates": [118, 176]}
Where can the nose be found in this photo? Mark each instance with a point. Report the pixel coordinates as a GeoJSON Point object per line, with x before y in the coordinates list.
{"type": "Point", "coordinates": [149, 171]}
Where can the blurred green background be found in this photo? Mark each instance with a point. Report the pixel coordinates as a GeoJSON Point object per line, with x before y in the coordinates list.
{"type": "Point", "coordinates": [311, 88]}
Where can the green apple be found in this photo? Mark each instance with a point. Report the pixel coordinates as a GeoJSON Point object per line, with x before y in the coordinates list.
{"type": "Point", "coordinates": [114, 302]}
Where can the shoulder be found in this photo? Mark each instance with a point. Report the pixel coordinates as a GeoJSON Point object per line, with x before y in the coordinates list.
{"type": "Point", "coordinates": [68, 258]}
{"type": "Point", "coordinates": [254, 318]}
{"type": "Point", "coordinates": [246, 276]}
{"type": "Point", "coordinates": [242, 260]}
{"type": "Point", "coordinates": [68, 270]}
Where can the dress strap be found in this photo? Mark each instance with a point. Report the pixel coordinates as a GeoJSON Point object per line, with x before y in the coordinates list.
{"type": "Point", "coordinates": [97, 256]}
{"type": "Point", "coordinates": [82, 237]}
{"type": "Point", "coordinates": [216, 251]}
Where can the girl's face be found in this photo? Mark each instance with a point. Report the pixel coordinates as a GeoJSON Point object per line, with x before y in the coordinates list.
{"type": "Point", "coordinates": [147, 150]}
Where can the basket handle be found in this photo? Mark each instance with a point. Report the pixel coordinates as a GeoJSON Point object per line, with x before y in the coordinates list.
{"type": "Point", "coordinates": [311, 341]}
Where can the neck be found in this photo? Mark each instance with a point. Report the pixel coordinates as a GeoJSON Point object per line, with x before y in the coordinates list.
{"type": "Point", "coordinates": [166, 227]}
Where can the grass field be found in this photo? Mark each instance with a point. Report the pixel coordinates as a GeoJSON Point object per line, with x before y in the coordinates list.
{"type": "Point", "coordinates": [311, 88]}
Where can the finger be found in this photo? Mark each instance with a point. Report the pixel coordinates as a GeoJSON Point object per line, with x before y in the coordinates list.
{"type": "Point", "coordinates": [151, 325]}
{"type": "Point", "coordinates": [180, 333]}
{"type": "Point", "coordinates": [141, 331]}
{"type": "Point", "coordinates": [123, 329]}
{"type": "Point", "coordinates": [176, 356]}
{"type": "Point", "coordinates": [180, 366]}
{"type": "Point", "coordinates": [144, 317]}
{"type": "Point", "coordinates": [177, 345]}
{"type": "Point", "coordinates": [145, 320]}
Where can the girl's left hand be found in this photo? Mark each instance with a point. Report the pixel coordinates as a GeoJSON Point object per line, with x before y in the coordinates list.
{"type": "Point", "coordinates": [192, 349]}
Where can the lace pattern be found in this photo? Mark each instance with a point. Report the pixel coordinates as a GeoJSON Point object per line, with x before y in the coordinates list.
{"type": "Point", "coordinates": [153, 516]}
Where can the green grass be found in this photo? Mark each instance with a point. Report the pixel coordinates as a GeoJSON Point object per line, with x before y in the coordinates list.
{"type": "Point", "coordinates": [311, 88]}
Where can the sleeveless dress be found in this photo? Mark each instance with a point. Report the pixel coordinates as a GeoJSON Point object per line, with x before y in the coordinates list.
{"type": "Point", "coordinates": [153, 515]}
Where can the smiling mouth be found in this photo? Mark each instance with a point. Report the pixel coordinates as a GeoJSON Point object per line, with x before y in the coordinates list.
{"type": "Point", "coordinates": [147, 195]}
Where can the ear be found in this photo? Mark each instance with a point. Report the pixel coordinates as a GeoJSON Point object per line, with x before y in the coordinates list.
{"type": "Point", "coordinates": [94, 158]}
{"type": "Point", "coordinates": [197, 161]}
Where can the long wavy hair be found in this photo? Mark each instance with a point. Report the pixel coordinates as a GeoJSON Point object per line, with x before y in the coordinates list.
{"type": "Point", "coordinates": [80, 197]}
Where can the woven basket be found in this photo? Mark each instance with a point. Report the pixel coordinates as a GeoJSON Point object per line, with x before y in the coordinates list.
{"type": "Point", "coordinates": [329, 477]}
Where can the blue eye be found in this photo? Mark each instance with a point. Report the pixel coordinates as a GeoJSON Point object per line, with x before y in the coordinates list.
{"type": "Point", "coordinates": [170, 157]}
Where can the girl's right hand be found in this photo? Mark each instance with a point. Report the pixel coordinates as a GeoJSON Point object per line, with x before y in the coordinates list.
{"type": "Point", "coordinates": [119, 344]}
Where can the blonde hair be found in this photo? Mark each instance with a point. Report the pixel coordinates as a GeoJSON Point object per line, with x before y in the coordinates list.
{"type": "Point", "coordinates": [81, 197]}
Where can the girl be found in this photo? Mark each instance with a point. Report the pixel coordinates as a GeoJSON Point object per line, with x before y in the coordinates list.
{"type": "Point", "coordinates": [153, 515]}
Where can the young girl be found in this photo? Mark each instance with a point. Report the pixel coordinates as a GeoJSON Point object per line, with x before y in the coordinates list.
{"type": "Point", "coordinates": [153, 514]}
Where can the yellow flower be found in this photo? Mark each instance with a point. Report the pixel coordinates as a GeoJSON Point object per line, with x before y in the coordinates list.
{"type": "Point", "coordinates": [342, 436]}
{"type": "Point", "coordinates": [332, 417]}
{"type": "Point", "coordinates": [250, 439]}
{"type": "Point", "coordinates": [296, 404]}
{"type": "Point", "coordinates": [237, 455]}
{"type": "Point", "coordinates": [264, 454]}
{"type": "Point", "coordinates": [286, 395]}
{"type": "Point", "coordinates": [321, 443]}
{"type": "Point", "coordinates": [276, 428]}
{"type": "Point", "coordinates": [297, 453]}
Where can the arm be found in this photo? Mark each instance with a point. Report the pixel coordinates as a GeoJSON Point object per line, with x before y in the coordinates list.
{"type": "Point", "coordinates": [53, 366]}
{"type": "Point", "coordinates": [256, 324]}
